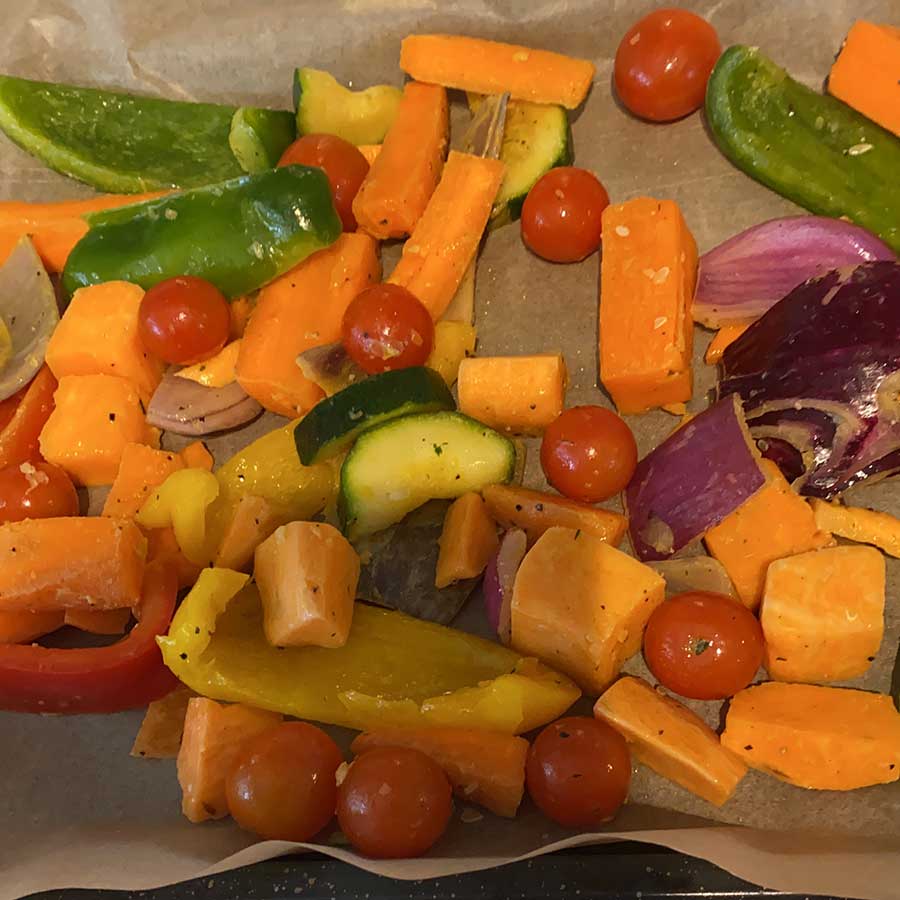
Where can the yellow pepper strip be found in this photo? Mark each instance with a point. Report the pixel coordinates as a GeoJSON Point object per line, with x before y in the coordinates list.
{"type": "Point", "coordinates": [217, 371]}
{"type": "Point", "coordinates": [181, 501]}
{"type": "Point", "coordinates": [394, 671]}
{"type": "Point", "coordinates": [453, 342]}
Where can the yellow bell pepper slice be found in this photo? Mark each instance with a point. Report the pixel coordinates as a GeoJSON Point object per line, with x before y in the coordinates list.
{"type": "Point", "coordinates": [394, 671]}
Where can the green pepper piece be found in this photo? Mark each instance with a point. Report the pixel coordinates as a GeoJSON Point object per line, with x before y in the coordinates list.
{"type": "Point", "coordinates": [238, 235]}
{"type": "Point", "coordinates": [812, 149]}
{"type": "Point", "coordinates": [258, 137]}
{"type": "Point", "coordinates": [393, 671]}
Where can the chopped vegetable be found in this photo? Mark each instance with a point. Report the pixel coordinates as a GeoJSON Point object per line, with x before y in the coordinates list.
{"type": "Point", "coordinates": [671, 739]}
{"type": "Point", "coordinates": [36, 490]}
{"type": "Point", "coordinates": [823, 614]}
{"type": "Point", "coordinates": [214, 736]}
{"type": "Point", "coordinates": [696, 573]}
{"type": "Point", "coordinates": [94, 419]}
{"type": "Point", "coordinates": [499, 581]}
{"type": "Point", "coordinates": [98, 621]}
{"type": "Point", "coordinates": [258, 137]}
{"type": "Point", "coordinates": [292, 315]}
{"type": "Point", "coordinates": [124, 675]}
{"type": "Point", "coordinates": [810, 148]}
{"type": "Point", "coordinates": [484, 767]}
{"type": "Point", "coordinates": [489, 67]}
{"type": "Point", "coordinates": [207, 232]}
{"type": "Point", "coordinates": [445, 239]}
{"type": "Point", "coordinates": [162, 548]}
{"type": "Point", "coordinates": [468, 541]}
{"type": "Point", "coordinates": [253, 521]}
{"type": "Point", "coordinates": [217, 371]}
{"type": "Point", "coordinates": [824, 738]}
{"type": "Point", "coordinates": [182, 406]}
{"type": "Point", "coordinates": [723, 339]}
{"type": "Point", "coordinates": [369, 151]}
{"type": "Point", "coordinates": [866, 73]}
{"type": "Point", "coordinates": [20, 435]}
{"type": "Point", "coordinates": [329, 368]}
{"type": "Point", "coordinates": [115, 141]}
{"type": "Point", "coordinates": [197, 456]}
{"type": "Point", "coordinates": [98, 335]}
{"type": "Point", "coordinates": [141, 469]}
{"type": "Point", "coordinates": [307, 574]}
{"type": "Point", "coordinates": [454, 341]}
{"type": "Point", "coordinates": [647, 277]}
{"type": "Point", "coordinates": [672, 500]}
{"type": "Point", "coordinates": [25, 626]}
{"type": "Point", "coordinates": [815, 374]}
{"type": "Point", "coordinates": [159, 736]}
{"type": "Point", "coordinates": [406, 171]}
{"type": "Point", "coordinates": [521, 394]}
{"type": "Point", "coordinates": [437, 676]}
{"type": "Point", "coordinates": [749, 273]}
{"type": "Point", "coordinates": [512, 506]}
{"type": "Point", "coordinates": [772, 524]}
{"type": "Point", "coordinates": [398, 465]}
{"type": "Point", "coordinates": [865, 526]}
{"type": "Point", "coordinates": [581, 606]}
{"type": "Point", "coordinates": [326, 107]}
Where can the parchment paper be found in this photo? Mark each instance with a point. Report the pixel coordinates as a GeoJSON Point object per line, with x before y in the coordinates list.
{"type": "Point", "coordinates": [76, 810]}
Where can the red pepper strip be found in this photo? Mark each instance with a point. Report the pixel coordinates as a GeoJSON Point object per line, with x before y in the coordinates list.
{"type": "Point", "coordinates": [121, 676]}
{"type": "Point", "coordinates": [20, 435]}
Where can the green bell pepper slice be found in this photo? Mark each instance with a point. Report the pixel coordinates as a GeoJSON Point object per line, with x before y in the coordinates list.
{"type": "Point", "coordinates": [239, 234]}
{"type": "Point", "coordinates": [811, 148]}
{"type": "Point", "coordinates": [394, 671]}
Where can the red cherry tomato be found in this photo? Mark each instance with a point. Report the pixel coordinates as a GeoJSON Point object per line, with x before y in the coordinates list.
{"type": "Point", "coordinates": [386, 327]}
{"type": "Point", "coordinates": [561, 215]}
{"type": "Point", "coordinates": [703, 645]}
{"type": "Point", "coordinates": [578, 772]}
{"type": "Point", "coordinates": [588, 453]}
{"type": "Point", "coordinates": [663, 64]}
{"type": "Point", "coordinates": [394, 802]}
{"type": "Point", "coordinates": [282, 786]}
{"type": "Point", "coordinates": [184, 320]}
{"type": "Point", "coordinates": [344, 165]}
{"type": "Point", "coordinates": [36, 490]}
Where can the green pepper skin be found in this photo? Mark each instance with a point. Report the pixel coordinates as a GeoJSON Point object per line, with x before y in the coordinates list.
{"type": "Point", "coordinates": [239, 234]}
{"type": "Point", "coordinates": [809, 147]}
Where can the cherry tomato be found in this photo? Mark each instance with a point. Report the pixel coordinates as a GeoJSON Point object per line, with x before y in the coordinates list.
{"type": "Point", "coordinates": [386, 327]}
{"type": "Point", "coordinates": [184, 320]}
{"type": "Point", "coordinates": [578, 772]}
{"type": "Point", "coordinates": [282, 787]}
{"type": "Point", "coordinates": [588, 453]}
{"type": "Point", "coordinates": [703, 645]}
{"type": "Point", "coordinates": [344, 165]}
{"type": "Point", "coordinates": [561, 215]}
{"type": "Point", "coordinates": [663, 64]}
{"type": "Point", "coordinates": [36, 490]}
{"type": "Point", "coordinates": [394, 802]}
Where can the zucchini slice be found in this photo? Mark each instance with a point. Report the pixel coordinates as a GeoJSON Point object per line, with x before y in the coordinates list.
{"type": "Point", "coordinates": [325, 106]}
{"type": "Point", "coordinates": [396, 467]}
{"type": "Point", "coordinates": [333, 423]}
{"type": "Point", "coordinates": [258, 137]}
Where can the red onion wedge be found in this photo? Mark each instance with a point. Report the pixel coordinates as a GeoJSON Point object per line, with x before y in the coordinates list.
{"type": "Point", "coordinates": [499, 578]}
{"type": "Point", "coordinates": [741, 279]}
{"type": "Point", "coordinates": [183, 406]}
{"type": "Point", "coordinates": [694, 573]}
{"type": "Point", "coordinates": [697, 476]}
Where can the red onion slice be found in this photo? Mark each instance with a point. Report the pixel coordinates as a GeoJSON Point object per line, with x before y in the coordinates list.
{"type": "Point", "coordinates": [499, 578]}
{"type": "Point", "coordinates": [185, 407]}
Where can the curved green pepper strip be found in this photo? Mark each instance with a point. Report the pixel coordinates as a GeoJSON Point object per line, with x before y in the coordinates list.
{"type": "Point", "coordinates": [393, 671]}
{"type": "Point", "coordinates": [239, 234]}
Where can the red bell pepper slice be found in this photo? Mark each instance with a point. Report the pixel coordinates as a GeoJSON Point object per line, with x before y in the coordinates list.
{"type": "Point", "coordinates": [19, 437]}
{"type": "Point", "coordinates": [124, 675]}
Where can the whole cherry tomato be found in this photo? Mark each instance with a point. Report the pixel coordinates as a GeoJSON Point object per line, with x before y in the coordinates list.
{"type": "Point", "coordinates": [184, 320]}
{"type": "Point", "coordinates": [588, 453]}
{"type": "Point", "coordinates": [703, 645]}
{"type": "Point", "coordinates": [386, 327]}
{"type": "Point", "coordinates": [282, 787]}
{"type": "Point", "coordinates": [663, 63]}
{"type": "Point", "coordinates": [561, 215]}
{"type": "Point", "coordinates": [394, 802]}
{"type": "Point", "coordinates": [578, 772]}
{"type": "Point", "coordinates": [344, 166]}
{"type": "Point", "coordinates": [36, 490]}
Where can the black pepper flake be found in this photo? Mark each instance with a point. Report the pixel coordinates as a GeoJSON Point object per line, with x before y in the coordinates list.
{"type": "Point", "coordinates": [12, 549]}
{"type": "Point", "coordinates": [197, 630]}
{"type": "Point", "coordinates": [315, 589]}
{"type": "Point", "coordinates": [257, 521]}
{"type": "Point", "coordinates": [661, 731]}
{"type": "Point", "coordinates": [183, 655]}
{"type": "Point", "coordinates": [780, 659]}
{"type": "Point", "coordinates": [142, 752]}
{"type": "Point", "coordinates": [532, 406]}
{"type": "Point", "coordinates": [577, 534]}
{"type": "Point", "coordinates": [564, 734]}
{"type": "Point", "coordinates": [539, 507]}
{"type": "Point", "coordinates": [870, 658]}
{"type": "Point", "coordinates": [576, 774]}
{"type": "Point", "coordinates": [748, 746]}
{"type": "Point", "coordinates": [112, 417]}
{"type": "Point", "coordinates": [458, 477]}
{"type": "Point", "coordinates": [518, 507]}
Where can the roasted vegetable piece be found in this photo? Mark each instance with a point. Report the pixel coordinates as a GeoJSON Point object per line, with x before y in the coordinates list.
{"type": "Point", "coordinates": [865, 526]}
{"type": "Point", "coordinates": [468, 541]}
{"type": "Point", "coordinates": [258, 137]}
{"type": "Point", "coordinates": [692, 481]}
{"type": "Point", "coordinates": [671, 739]}
{"type": "Point", "coordinates": [252, 522]}
{"type": "Point", "coordinates": [182, 406]}
{"type": "Point", "coordinates": [120, 676]}
{"type": "Point", "coordinates": [437, 676]}
{"type": "Point", "coordinates": [141, 469]}
{"type": "Point", "coordinates": [20, 435]}
{"type": "Point", "coordinates": [825, 738]}
{"type": "Point", "coordinates": [159, 736]}
{"type": "Point", "coordinates": [500, 580]}
{"type": "Point", "coordinates": [810, 148]}
{"type": "Point", "coordinates": [823, 614]}
{"type": "Point", "coordinates": [208, 232]}
{"type": "Point", "coordinates": [816, 376]}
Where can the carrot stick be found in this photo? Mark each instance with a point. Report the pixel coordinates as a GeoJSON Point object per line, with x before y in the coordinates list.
{"type": "Point", "coordinates": [489, 67]}
{"type": "Point", "coordinates": [403, 176]}
{"type": "Point", "coordinates": [446, 238]}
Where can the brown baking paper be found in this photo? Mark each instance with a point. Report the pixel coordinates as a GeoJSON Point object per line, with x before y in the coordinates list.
{"type": "Point", "coordinates": [76, 810]}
